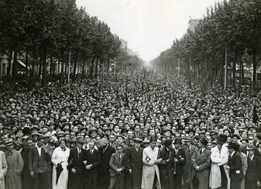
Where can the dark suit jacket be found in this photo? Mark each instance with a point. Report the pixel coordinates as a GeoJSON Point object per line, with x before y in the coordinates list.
{"type": "Point", "coordinates": [179, 154]}
{"type": "Point", "coordinates": [235, 164]}
{"type": "Point", "coordinates": [116, 162]}
{"type": "Point", "coordinates": [105, 159]}
{"type": "Point", "coordinates": [133, 158]}
{"type": "Point", "coordinates": [201, 159]}
{"type": "Point", "coordinates": [36, 163]}
{"type": "Point", "coordinates": [76, 161]}
{"type": "Point", "coordinates": [92, 158]}
{"type": "Point", "coordinates": [167, 159]}
{"type": "Point", "coordinates": [252, 169]}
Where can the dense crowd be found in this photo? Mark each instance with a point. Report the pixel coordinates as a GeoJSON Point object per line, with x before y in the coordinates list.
{"type": "Point", "coordinates": [129, 132]}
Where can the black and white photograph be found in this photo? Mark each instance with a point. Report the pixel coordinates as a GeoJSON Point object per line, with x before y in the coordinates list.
{"type": "Point", "coordinates": [130, 94]}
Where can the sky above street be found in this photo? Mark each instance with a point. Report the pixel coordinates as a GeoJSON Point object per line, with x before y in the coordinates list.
{"type": "Point", "coordinates": [148, 26]}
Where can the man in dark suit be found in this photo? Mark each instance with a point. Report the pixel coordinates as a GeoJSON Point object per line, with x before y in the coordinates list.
{"type": "Point", "coordinates": [166, 166]}
{"type": "Point", "coordinates": [252, 170]}
{"type": "Point", "coordinates": [37, 162]}
{"type": "Point", "coordinates": [75, 166]}
{"type": "Point", "coordinates": [201, 164]}
{"type": "Point", "coordinates": [179, 162]}
{"type": "Point", "coordinates": [26, 177]}
{"type": "Point", "coordinates": [133, 163]}
{"type": "Point", "coordinates": [91, 161]}
{"type": "Point", "coordinates": [189, 150]}
{"type": "Point", "coordinates": [104, 175]}
{"type": "Point", "coordinates": [234, 166]}
{"type": "Point", "coordinates": [117, 168]}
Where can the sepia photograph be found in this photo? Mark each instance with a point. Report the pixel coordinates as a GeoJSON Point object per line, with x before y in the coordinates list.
{"type": "Point", "coordinates": [130, 94]}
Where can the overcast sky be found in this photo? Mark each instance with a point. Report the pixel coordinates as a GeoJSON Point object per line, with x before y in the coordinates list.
{"type": "Point", "coordinates": [148, 26]}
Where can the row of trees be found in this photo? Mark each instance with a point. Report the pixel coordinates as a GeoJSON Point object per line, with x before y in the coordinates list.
{"type": "Point", "coordinates": [229, 31]}
{"type": "Point", "coordinates": [47, 31]}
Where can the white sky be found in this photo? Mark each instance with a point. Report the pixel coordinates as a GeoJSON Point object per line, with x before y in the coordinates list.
{"type": "Point", "coordinates": [148, 26]}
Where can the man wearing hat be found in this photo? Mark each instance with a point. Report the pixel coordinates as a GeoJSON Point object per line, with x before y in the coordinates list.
{"type": "Point", "coordinates": [133, 163]}
{"type": "Point", "coordinates": [166, 166]}
{"type": "Point", "coordinates": [234, 165]}
{"type": "Point", "coordinates": [15, 166]}
{"type": "Point", "coordinates": [201, 163]}
{"type": "Point", "coordinates": [252, 170]}
{"type": "Point", "coordinates": [75, 166]}
{"type": "Point", "coordinates": [189, 150]}
{"type": "Point", "coordinates": [38, 160]}
{"type": "Point", "coordinates": [179, 162]}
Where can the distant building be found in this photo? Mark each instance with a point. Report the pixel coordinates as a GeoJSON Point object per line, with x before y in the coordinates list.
{"type": "Point", "coordinates": [192, 24]}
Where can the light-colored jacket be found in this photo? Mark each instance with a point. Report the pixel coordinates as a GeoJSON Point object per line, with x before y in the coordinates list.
{"type": "Point", "coordinates": [150, 169]}
{"type": "Point", "coordinates": [218, 158]}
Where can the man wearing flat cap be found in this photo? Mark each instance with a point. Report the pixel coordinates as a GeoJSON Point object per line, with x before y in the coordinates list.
{"type": "Point", "coordinates": [166, 166]}
{"type": "Point", "coordinates": [75, 166]}
{"type": "Point", "coordinates": [133, 163]}
{"type": "Point", "coordinates": [201, 164]}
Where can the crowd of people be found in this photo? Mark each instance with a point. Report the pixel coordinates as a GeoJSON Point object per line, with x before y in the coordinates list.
{"type": "Point", "coordinates": [129, 132]}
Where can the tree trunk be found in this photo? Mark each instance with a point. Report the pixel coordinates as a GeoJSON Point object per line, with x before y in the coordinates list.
{"type": "Point", "coordinates": [26, 60]}
{"type": "Point", "coordinates": [14, 70]}
{"type": "Point", "coordinates": [108, 66]}
{"type": "Point", "coordinates": [40, 64]}
{"type": "Point", "coordinates": [75, 63]}
{"type": "Point", "coordinates": [96, 67]}
{"type": "Point", "coordinates": [9, 63]}
{"type": "Point", "coordinates": [234, 70]}
{"type": "Point", "coordinates": [44, 63]}
{"type": "Point", "coordinates": [254, 71]}
{"type": "Point", "coordinates": [33, 63]}
{"type": "Point", "coordinates": [83, 65]}
{"type": "Point", "coordinates": [52, 68]}
{"type": "Point", "coordinates": [92, 66]}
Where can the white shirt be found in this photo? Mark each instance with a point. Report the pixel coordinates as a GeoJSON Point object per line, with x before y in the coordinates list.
{"type": "Point", "coordinates": [39, 150]}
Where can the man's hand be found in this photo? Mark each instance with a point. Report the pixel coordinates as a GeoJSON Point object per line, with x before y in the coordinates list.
{"type": "Point", "coordinates": [88, 167]}
{"type": "Point", "coordinates": [258, 184]}
{"type": "Point", "coordinates": [32, 174]}
{"type": "Point", "coordinates": [197, 167]}
{"type": "Point", "coordinates": [85, 162]}
{"type": "Point", "coordinates": [73, 170]}
{"type": "Point", "coordinates": [226, 167]}
{"type": "Point", "coordinates": [130, 171]}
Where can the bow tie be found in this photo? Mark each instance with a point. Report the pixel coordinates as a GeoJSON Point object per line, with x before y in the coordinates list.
{"type": "Point", "coordinates": [63, 149]}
